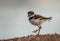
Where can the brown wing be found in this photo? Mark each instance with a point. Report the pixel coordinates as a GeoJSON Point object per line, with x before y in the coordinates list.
{"type": "Point", "coordinates": [38, 16]}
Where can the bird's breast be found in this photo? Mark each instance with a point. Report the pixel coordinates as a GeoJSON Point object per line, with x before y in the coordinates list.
{"type": "Point", "coordinates": [37, 21]}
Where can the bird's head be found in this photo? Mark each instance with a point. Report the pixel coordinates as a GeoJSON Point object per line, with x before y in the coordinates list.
{"type": "Point", "coordinates": [30, 13]}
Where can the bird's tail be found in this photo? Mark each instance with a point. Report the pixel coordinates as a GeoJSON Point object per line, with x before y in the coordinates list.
{"type": "Point", "coordinates": [49, 18]}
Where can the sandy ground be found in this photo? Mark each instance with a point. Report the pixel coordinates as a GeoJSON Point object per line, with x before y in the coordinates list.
{"type": "Point", "coordinates": [46, 37]}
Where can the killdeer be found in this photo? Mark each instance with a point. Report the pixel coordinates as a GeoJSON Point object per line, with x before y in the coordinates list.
{"type": "Point", "coordinates": [36, 20]}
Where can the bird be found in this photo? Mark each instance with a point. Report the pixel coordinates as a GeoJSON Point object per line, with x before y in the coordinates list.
{"type": "Point", "coordinates": [37, 20]}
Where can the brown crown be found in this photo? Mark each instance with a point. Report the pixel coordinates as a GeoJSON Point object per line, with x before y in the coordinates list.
{"type": "Point", "coordinates": [30, 12]}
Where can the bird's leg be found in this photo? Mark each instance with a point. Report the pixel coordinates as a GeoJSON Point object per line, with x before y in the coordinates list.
{"type": "Point", "coordinates": [35, 31]}
{"type": "Point", "coordinates": [39, 29]}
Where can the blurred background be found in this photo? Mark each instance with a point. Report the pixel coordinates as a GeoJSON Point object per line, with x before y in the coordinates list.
{"type": "Point", "coordinates": [14, 21]}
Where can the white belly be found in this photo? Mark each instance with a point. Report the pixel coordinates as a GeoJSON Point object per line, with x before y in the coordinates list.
{"type": "Point", "coordinates": [37, 21]}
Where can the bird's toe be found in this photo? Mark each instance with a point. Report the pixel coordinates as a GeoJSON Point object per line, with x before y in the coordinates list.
{"type": "Point", "coordinates": [34, 31]}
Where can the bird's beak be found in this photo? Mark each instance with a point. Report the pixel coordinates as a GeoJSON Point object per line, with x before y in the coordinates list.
{"type": "Point", "coordinates": [28, 15]}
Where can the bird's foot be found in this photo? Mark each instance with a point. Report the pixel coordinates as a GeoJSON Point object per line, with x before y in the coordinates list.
{"type": "Point", "coordinates": [34, 31]}
{"type": "Point", "coordinates": [38, 34]}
